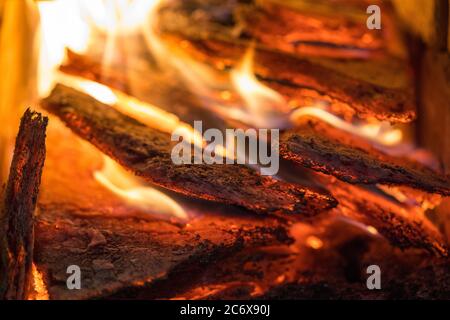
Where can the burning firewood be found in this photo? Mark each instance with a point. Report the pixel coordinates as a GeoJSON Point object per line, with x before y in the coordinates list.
{"type": "Point", "coordinates": [322, 147]}
{"type": "Point", "coordinates": [401, 231]}
{"type": "Point", "coordinates": [305, 28]}
{"type": "Point", "coordinates": [403, 227]}
{"type": "Point", "coordinates": [116, 254]}
{"type": "Point", "coordinates": [162, 90]}
{"type": "Point", "coordinates": [119, 247]}
{"type": "Point", "coordinates": [326, 264]}
{"type": "Point", "coordinates": [291, 76]}
{"type": "Point", "coordinates": [18, 206]}
{"type": "Point", "coordinates": [203, 31]}
{"type": "Point", "coordinates": [147, 152]}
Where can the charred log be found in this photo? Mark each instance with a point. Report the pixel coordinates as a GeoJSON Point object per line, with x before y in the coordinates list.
{"type": "Point", "coordinates": [116, 254]}
{"type": "Point", "coordinates": [304, 28]}
{"type": "Point", "coordinates": [147, 152]}
{"type": "Point", "coordinates": [119, 247]}
{"type": "Point", "coordinates": [319, 146]}
{"type": "Point", "coordinates": [163, 90]}
{"type": "Point", "coordinates": [399, 224]}
{"type": "Point", "coordinates": [293, 77]}
{"type": "Point", "coordinates": [18, 207]}
{"type": "Point", "coordinates": [335, 271]}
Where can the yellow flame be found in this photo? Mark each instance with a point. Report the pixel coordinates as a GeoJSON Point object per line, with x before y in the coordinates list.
{"type": "Point", "coordinates": [380, 133]}
{"type": "Point", "coordinates": [98, 91]}
{"type": "Point", "coordinates": [145, 113]}
{"type": "Point", "coordinates": [123, 184]}
{"type": "Point", "coordinates": [39, 287]}
{"type": "Point", "coordinates": [113, 176]}
{"type": "Point", "coordinates": [62, 26]}
{"type": "Point", "coordinates": [314, 242]}
{"type": "Point", "coordinates": [261, 101]}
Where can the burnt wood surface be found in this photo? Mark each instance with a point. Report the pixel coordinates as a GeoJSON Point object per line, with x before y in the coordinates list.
{"type": "Point", "coordinates": [335, 271]}
{"type": "Point", "coordinates": [297, 27]}
{"type": "Point", "coordinates": [162, 89]}
{"type": "Point", "coordinates": [147, 152]}
{"type": "Point", "coordinates": [291, 76]}
{"type": "Point", "coordinates": [115, 254]}
{"type": "Point", "coordinates": [118, 246]}
{"type": "Point", "coordinates": [401, 225]}
{"type": "Point", "coordinates": [18, 207]}
{"type": "Point", "coordinates": [218, 33]}
{"type": "Point", "coordinates": [315, 144]}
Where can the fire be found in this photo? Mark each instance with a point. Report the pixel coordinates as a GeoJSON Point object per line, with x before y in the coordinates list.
{"type": "Point", "coordinates": [262, 102]}
{"type": "Point", "coordinates": [146, 113]}
{"type": "Point", "coordinates": [96, 90]}
{"type": "Point", "coordinates": [379, 133]}
{"type": "Point", "coordinates": [112, 176]}
{"type": "Point", "coordinates": [62, 26]}
{"type": "Point", "coordinates": [136, 194]}
{"type": "Point", "coordinates": [40, 290]}
{"type": "Point", "coordinates": [69, 24]}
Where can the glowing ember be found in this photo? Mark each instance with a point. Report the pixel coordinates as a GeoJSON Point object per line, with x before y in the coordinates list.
{"type": "Point", "coordinates": [314, 242]}
{"type": "Point", "coordinates": [117, 180]}
{"type": "Point", "coordinates": [372, 230]}
{"type": "Point", "coordinates": [281, 278]}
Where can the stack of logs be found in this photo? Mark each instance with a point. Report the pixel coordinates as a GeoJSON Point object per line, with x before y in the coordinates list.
{"type": "Point", "coordinates": [249, 236]}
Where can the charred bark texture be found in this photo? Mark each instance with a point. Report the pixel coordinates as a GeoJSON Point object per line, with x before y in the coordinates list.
{"type": "Point", "coordinates": [120, 247]}
{"type": "Point", "coordinates": [399, 224]}
{"type": "Point", "coordinates": [319, 146]}
{"type": "Point", "coordinates": [19, 202]}
{"type": "Point", "coordinates": [166, 91]}
{"type": "Point", "coordinates": [304, 28]}
{"type": "Point", "coordinates": [147, 152]}
{"type": "Point", "coordinates": [118, 254]}
{"type": "Point", "coordinates": [291, 76]}
{"type": "Point", "coordinates": [218, 33]}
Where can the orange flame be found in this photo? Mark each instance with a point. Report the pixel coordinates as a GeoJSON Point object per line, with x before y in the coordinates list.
{"type": "Point", "coordinates": [146, 113]}
{"type": "Point", "coordinates": [123, 184]}
{"type": "Point", "coordinates": [40, 290]}
{"type": "Point", "coordinates": [262, 103]}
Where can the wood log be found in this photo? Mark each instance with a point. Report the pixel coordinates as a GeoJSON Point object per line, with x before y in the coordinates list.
{"type": "Point", "coordinates": [18, 207]}
{"type": "Point", "coordinates": [118, 254]}
{"type": "Point", "coordinates": [291, 76]}
{"type": "Point", "coordinates": [147, 152]}
{"type": "Point", "coordinates": [302, 28]}
{"type": "Point", "coordinates": [166, 91]}
{"type": "Point", "coordinates": [336, 270]}
{"type": "Point", "coordinates": [119, 246]}
{"type": "Point", "coordinates": [401, 225]}
{"type": "Point", "coordinates": [319, 146]}
{"type": "Point", "coordinates": [304, 32]}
